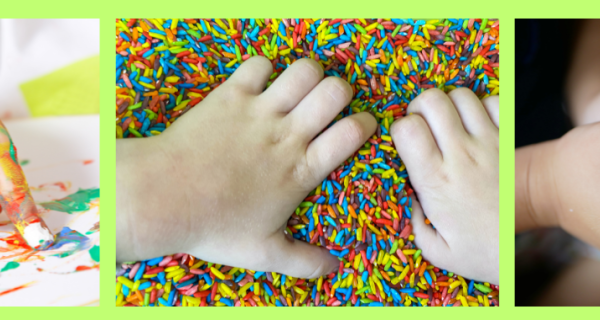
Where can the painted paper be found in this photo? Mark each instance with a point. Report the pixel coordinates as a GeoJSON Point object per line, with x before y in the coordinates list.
{"type": "Point", "coordinates": [60, 158]}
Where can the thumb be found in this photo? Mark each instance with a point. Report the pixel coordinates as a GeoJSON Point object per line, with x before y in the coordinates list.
{"type": "Point", "coordinates": [434, 247]}
{"type": "Point", "coordinates": [300, 259]}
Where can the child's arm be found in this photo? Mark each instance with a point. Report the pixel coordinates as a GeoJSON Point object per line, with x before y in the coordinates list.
{"type": "Point", "coordinates": [449, 145]}
{"type": "Point", "coordinates": [535, 191]}
{"type": "Point", "coordinates": [223, 180]}
{"type": "Point", "coordinates": [557, 184]}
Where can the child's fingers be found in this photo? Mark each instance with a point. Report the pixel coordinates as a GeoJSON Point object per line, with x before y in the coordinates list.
{"type": "Point", "coordinates": [320, 107]}
{"type": "Point", "coordinates": [472, 112]}
{"type": "Point", "coordinates": [336, 144]}
{"type": "Point", "coordinates": [300, 259]}
{"type": "Point", "coordinates": [416, 146]}
{"type": "Point", "coordinates": [293, 85]}
{"type": "Point", "coordinates": [492, 106]}
{"type": "Point", "coordinates": [441, 116]}
{"type": "Point", "coordinates": [252, 75]}
{"type": "Point", "coordinates": [434, 247]}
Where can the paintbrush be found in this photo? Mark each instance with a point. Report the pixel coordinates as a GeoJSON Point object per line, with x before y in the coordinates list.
{"type": "Point", "coordinates": [15, 197]}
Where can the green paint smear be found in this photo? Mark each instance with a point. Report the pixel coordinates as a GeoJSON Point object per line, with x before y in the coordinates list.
{"type": "Point", "coordinates": [13, 151]}
{"type": "Point", "coordinates": [24, 162]}
{"type": "Point", "coordinates": [76, 202]}
{"type": "Point", "coordinates": [9, 266]}
{"type": "Point", "coordinates": [95, 253]}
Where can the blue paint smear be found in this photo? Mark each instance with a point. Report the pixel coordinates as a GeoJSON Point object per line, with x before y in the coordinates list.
{"type": "Point", "coordinates": [74, 240]}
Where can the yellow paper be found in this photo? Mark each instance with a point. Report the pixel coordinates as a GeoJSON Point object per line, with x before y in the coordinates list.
{"type": "Point", "coordinates": [72, 90]}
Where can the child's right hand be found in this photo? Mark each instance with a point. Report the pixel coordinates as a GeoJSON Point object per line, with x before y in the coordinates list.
{"type": "Point", "coordinates": [222, 182]}
{"type": "Point", "coordinates": [557, 184]}
{"type": "Point", "coordinates": [449, 145]}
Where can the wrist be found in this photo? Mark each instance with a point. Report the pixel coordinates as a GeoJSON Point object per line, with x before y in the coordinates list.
{"type": "Point", "coordinates": [145, 214]}
{"type": "Point", "coordinates": [536, 196]}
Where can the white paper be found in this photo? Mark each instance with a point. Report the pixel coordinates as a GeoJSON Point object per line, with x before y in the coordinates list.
{"type": "Point", "coordinates": [59, 150]}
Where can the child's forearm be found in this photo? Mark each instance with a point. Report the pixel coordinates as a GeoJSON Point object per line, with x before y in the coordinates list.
{"type": "Point", "coordinates": [583, 83]}
{"type": "Point", "coordinates": [143, 218]}
{"type": "Point", "coordinates": [535, 192]}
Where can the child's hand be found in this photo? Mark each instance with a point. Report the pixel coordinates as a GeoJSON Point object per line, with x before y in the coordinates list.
{"type": "Point", "coordinates": [557, 184]}
{"type": "Point", "coordinates": [223, 181]}
{"type": "Point", "coordinates": [450, 148]}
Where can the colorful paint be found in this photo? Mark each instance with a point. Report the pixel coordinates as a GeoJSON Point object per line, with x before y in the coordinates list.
{"type": "Point", "coordinates": [95, 253]}
{"type": "Point", "coordinates": [70, 246]}
{"type": "Point", "coordinates": [15, 197]}
{"type": "Point", "coordinates": [68, 181]}
{"type": "Point", "coordinates": [9, 266]}
{"type": "Point", "coordinates": [69, 242]}
{"type": "Point", "coordinates": [5, 292]}
{"type": "Point", "coordinates": [76, 202]}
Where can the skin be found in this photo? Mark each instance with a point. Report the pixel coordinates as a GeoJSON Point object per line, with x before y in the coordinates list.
{"type": "Point", "coordinates": [449, 144]}
{"type": "Point", "coordinates": [557, 182]}
{"type": "Point", "coordinates": [234, 169]}
{"type": "Point", "coordinates": [187, 191]}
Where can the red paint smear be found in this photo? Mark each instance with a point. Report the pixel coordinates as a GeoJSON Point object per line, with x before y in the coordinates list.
{"type": "Point", "coordinates": [85, 268]}
{"type": "Point", "coordinates": [14, 242]}
{"type": "Point", "coordinates": [77, 269]}
{"type": "Point", "coordinates": [13, 289]}
{"type": "Point", "coordinates": [61, 185]}
{"type": "Point", "coordinates": [86, 162]}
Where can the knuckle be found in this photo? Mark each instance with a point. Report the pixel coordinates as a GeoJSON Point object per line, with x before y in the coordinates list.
{"type": "Point", "coordinates": [310, 67]}
{"type": "Point", "coordinates": [462, 91]}
{"type": "Point", "coordinates": [431, 98]}
{"type": "Point", "coordinates": [304, 174]}
{"type": "Point", "coordinates": [261, 60]}
{"type": "Point", "coordinates": [354, 131]}
{"type": "Point", "coordinates": [433, 94]}
{"type": "Point", "coordinates": [258, 64]}
{"type": "Point", "coordinates": [406, 127]}
{"type": "Point", "coordinates": [317, 271]}
{"type": "Point", "coordinates": [493, 102]}
{"type": "Point", "coordinates": [339, 89]}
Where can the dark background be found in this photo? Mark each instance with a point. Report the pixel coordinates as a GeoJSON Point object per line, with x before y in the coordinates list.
{"type": "Point", "coordinates": [542, 51]}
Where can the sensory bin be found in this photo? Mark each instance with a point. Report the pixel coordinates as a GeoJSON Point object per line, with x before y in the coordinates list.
{"type": "Point", "coordinates": [362, 211]}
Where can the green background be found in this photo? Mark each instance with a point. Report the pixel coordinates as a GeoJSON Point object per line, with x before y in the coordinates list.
{"type": "Point", "coordinates": [108, 10]}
